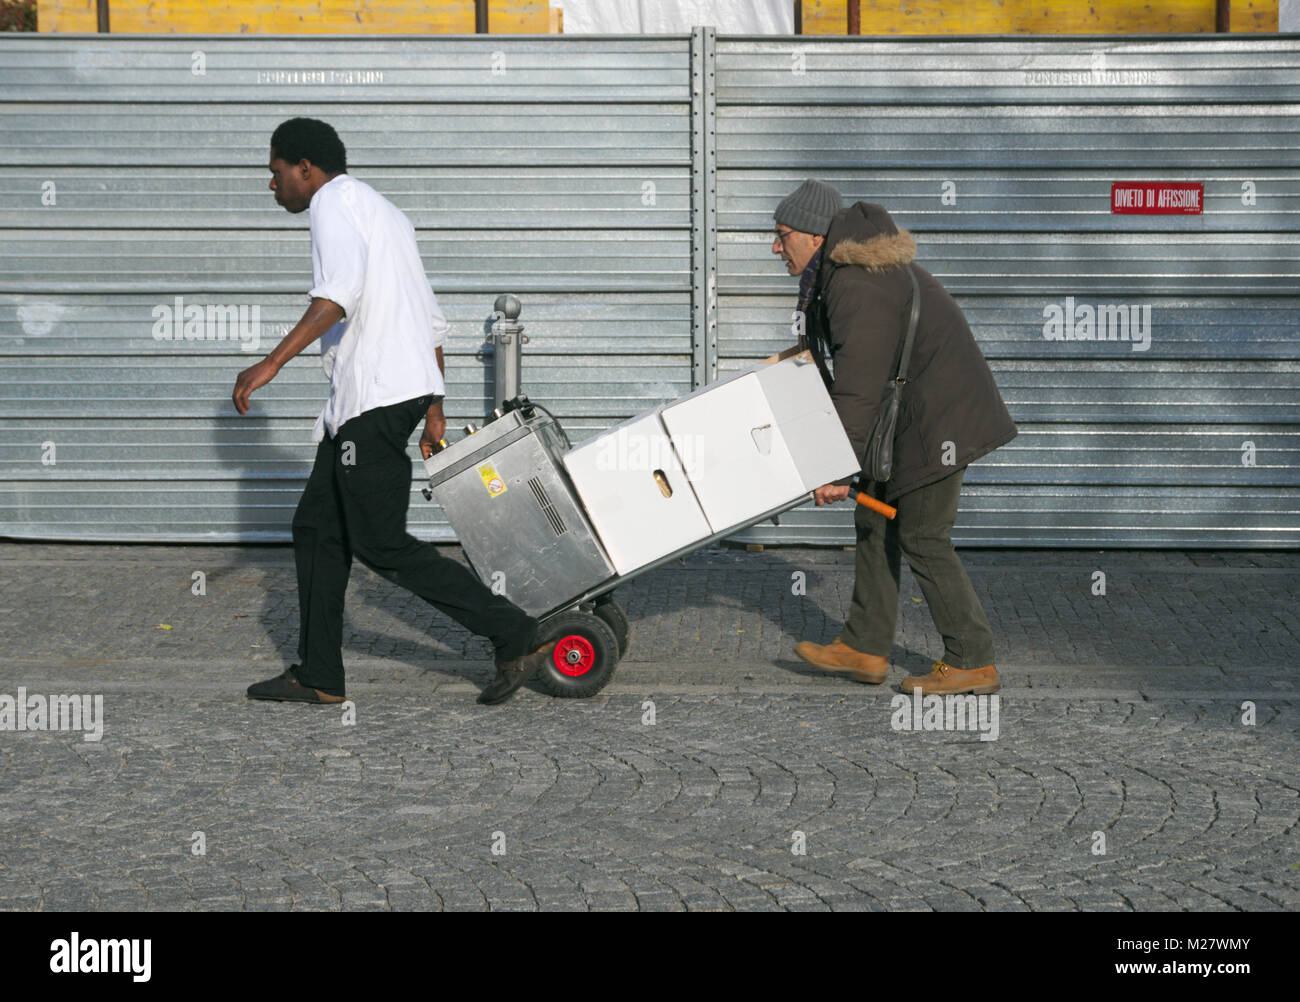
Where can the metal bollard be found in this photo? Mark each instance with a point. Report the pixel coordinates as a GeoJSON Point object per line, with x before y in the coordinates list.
{"type": "Point", "coordinates": [507, 339]}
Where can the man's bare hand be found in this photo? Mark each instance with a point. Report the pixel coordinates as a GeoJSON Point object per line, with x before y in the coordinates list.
{"type": "Point", "coordinates": [435, 427]}
{"type": "Point", "coordinates": [250, 379]}
{"type": "Point", "coordinates": [830, 493]}
{"type": "Point", "coordinates": [320, 316]}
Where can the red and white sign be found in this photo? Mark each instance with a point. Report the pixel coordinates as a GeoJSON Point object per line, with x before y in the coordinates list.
{"type": "Point", "coordinates": [1157, 198]}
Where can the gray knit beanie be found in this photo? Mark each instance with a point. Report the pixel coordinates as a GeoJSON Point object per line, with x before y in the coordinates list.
{"type": "Point", "coordinates": [810, 208]}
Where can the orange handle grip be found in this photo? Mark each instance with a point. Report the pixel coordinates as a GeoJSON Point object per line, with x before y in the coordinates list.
{"type": "Point", "coordinates": [867, 501]}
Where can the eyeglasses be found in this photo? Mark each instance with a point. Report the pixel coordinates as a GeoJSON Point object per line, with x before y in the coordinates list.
{"type": "Point", "coordinates": [782, 234]}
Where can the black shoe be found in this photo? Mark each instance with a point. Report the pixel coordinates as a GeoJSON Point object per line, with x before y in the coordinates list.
{"type": "Point", "coordinates": [513, 674]}
{"type": "Point", "coordinates": [286, 687]}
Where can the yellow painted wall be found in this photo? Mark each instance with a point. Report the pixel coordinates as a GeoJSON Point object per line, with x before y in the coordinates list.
{"type": "Point", "coordinates": [66, 15]}
{"type": "Point", "coordinates": [1253, 15]}
{"type": "Point", "coordinates": [518, 17]}
{"type": "Point", "coordinates": [820, 17]}
{"type": "Point", "coordinates": [825, 17]}
{"type": "Point", "coordinates": [296, 16]}
{"type": "Point", "coordinates": [1039, 17]}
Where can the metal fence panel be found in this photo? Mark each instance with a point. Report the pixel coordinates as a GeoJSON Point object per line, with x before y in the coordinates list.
{"type": "Point", "coordinates": [624, 187]}
{"type": "Point", "coordinates": [999, 155]}
{"type": "Point", "coordinates": [1016, 70]}
{"type": "Point", "coordinates": [133, 189]}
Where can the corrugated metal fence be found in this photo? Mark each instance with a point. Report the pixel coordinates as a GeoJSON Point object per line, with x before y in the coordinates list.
{"type": "Point", "coordinates": [623, 187]}
{"type": "Point", "coordinates": [999, 156]}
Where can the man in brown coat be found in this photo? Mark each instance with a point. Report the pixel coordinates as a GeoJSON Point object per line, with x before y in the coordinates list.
{"type": "Point", "coordinates": [856, 299]}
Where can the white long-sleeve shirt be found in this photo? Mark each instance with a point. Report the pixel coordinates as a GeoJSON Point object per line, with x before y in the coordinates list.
{"type": "Point", "coordinates": [364, 257]}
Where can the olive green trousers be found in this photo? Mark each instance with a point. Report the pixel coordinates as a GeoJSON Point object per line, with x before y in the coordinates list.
{"type": "Point", "coordinates": [922, 532]}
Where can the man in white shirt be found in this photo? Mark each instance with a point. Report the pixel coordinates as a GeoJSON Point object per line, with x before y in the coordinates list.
{"type": "Point", "coordinates": [381, 334]}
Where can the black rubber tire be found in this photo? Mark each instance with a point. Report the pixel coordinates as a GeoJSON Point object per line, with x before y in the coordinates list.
{"type": "Point", "coordinates": [616, 619]}
{"type": "Point", "coordinates": [604, 645]}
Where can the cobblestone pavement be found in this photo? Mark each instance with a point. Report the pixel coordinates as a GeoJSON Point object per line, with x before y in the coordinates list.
{"type": "Point", "coordinates": [1124, 774]}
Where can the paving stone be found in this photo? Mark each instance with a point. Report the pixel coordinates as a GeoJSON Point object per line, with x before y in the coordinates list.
{"type": "Point", "coordinates": [1119, 713]}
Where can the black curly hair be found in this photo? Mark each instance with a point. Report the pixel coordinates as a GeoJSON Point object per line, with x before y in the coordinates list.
{"type": "Point", "coordinates": [311, 140]}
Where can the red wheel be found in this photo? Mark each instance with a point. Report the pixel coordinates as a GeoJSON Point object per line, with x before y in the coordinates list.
{"type": "Point", "coordinates": [574, 656]}
{"type": "Point", "coordinates": [585, 655]}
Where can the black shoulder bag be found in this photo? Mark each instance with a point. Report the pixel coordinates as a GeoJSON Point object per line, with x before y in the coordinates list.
{"type": "Point", "coordinates": [879, 460]}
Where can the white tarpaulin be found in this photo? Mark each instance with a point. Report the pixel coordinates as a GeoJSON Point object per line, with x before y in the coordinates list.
{"type": "Point", "coordinates": [1288, 15]}
{"type": "Point", "coordinates": [678, 17]}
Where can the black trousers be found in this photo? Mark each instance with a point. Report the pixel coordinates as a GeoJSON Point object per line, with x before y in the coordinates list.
{"type": "Point", "coordinates": [355, 505]}
{"type": "Point", "coordinates": [922, 533]}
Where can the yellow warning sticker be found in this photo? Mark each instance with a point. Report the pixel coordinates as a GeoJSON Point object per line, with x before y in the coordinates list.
{"type": "Point", "coordinates": [492, 480]}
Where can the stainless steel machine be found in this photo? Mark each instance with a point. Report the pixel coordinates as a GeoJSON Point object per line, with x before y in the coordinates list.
{"type": "Point", "coordinates": [505, 491]}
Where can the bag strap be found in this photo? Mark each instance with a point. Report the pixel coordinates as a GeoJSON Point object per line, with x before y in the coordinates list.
{"type": "Point", "coordinates": [901, 376]}
{"type": "Point", "coordinates": [911, 327]}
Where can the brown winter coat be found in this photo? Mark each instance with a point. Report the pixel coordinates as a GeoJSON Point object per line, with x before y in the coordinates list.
{"type": "Point", "coordinates": [951, 412]}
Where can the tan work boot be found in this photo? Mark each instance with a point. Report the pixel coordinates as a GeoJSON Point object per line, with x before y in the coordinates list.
{"type": "Point", "coordinates": [842, 659]}
{"type": "Point", "coordinates": [944, 679]}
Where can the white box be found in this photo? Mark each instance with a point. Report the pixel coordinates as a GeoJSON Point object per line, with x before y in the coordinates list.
{"type": "Point", "coordinates": [808, 421]}
{"type": "Point", "coordinates": [637, 495]}
{"type": "Point", "coordinates": [759, 439]}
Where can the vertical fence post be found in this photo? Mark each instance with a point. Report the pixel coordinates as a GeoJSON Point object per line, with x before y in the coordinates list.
{"type": "Point", "coordinates": [704, 218]}
{"type": "Point", "coordinates": [711, 203]}
{"type": "Point", "coordinates": [697, 209]}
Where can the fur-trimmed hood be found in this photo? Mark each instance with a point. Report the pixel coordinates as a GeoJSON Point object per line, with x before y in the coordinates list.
{"type": "Point", "coordinates": [865, 234]}
{"type": "Point", "coordinates": [859, 317]}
